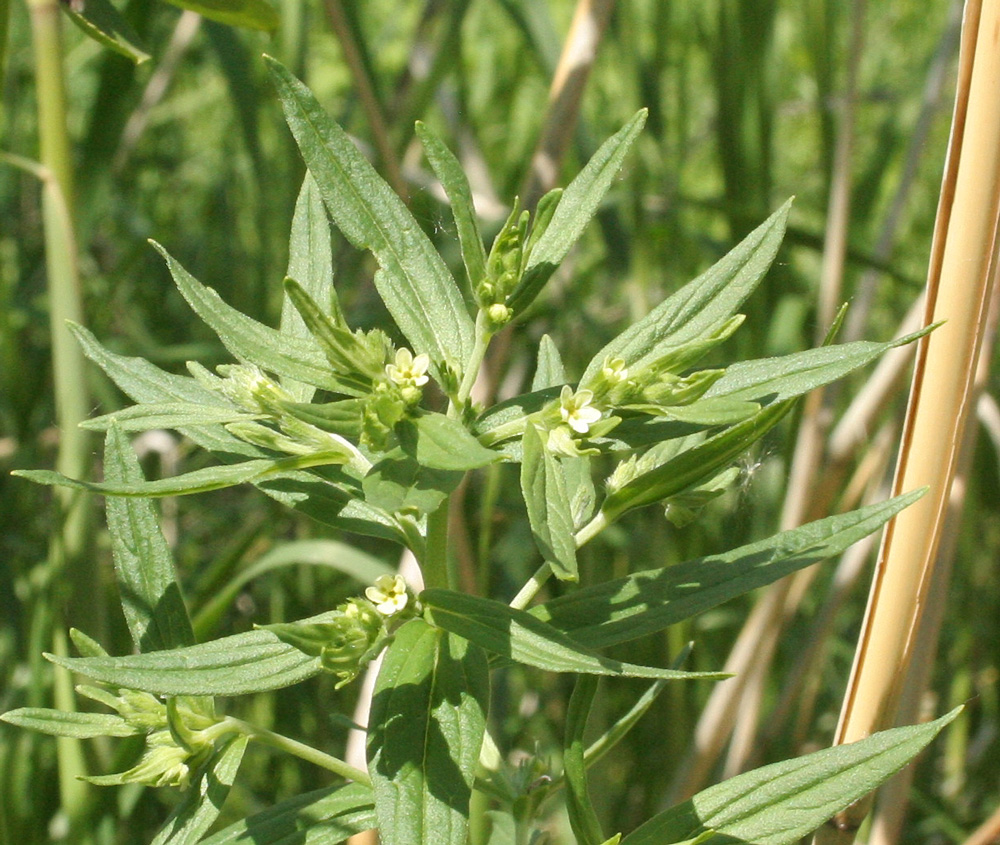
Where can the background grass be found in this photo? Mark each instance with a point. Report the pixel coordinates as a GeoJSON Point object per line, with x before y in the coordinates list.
{"type": "Point", "coordinates": [744, 98]}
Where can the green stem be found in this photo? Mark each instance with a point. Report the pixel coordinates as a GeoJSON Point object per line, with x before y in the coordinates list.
{"type": "Point", "coordinates": [300, 750]}
{"type": "Point", "coordinates": [69, 559]}
{"type": "Point", "coordinates": [482, 343]}
{"type": "Point", "coordinates": [544, 572]}
{"type": "Point", "coordinates": [435, 561]}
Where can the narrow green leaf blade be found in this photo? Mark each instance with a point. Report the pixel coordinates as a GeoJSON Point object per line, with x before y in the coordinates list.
{"type": "Point", "coordinates": [646, 602]}
{"type": "Point", "coordinates": [427, 723]}
{"type": "Point", "coordinates": [175, 415]}
{"type": "Point", "coordinates": [579, 203]}
{"type": "Point", "coordinates": [105, 24]}
{"type": "Point", "coordinates": [310, 263]}
{"type": "Point", "coordinates": [582, 815]}
{"type": "Point", "coordinates": [781, 803]}
{"type": "Point", "coordinates": [544, 489]}
{"type": "Point", "coordinates": [694, 465]}
{"type": "Point", "coordinates": [298, 358]}
{"type": "Point", "coordinates": [321, 817]}
{"type": "Point", "coordinates": [61, 723]}
{"type": "Point", "coordinates": [203, 800]}
{"type": "Point", "coordinates": [413, 281]}
{"type": "Point", "coordinates": [524, 638]}
{"type": "Point", "coordinates": [701, 306]}
{"type": "Point", "coordinates": [144, 567]}
{"type": "Point", "coordinates": [778, 379]}
{"type": "Point", "coordinates": [244, 663]}
{"type": "Point", "coordinates": [196, 481]}
{"type": "Point", "coordinates": [456, 187]}
{"type": "Point", "coordinates": [252, 14]}
{"type": "Point", "coordinates": [438, 442]}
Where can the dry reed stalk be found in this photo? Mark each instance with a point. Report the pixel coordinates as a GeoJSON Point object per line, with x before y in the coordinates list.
{"type": "Point", "coordinates": [888, 820]}
{"type": "Point", "coordinates": [961, 269]}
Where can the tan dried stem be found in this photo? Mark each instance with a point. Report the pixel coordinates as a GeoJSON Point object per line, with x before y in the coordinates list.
{"type": "Point", "coordinates": [888, 821]}
{"type": "Point", "coordinates": [961, 270]}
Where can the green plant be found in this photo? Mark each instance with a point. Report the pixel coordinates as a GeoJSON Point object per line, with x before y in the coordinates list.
{"type": "Point", "coordinates": [375, 438]}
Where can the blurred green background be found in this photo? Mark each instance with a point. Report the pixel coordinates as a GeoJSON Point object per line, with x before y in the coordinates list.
{"type": "Point", "coordinates": [190, 148]}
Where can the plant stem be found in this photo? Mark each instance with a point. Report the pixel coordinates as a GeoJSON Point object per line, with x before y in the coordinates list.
{"type": "Point", "coordinates": [544, 572]}
{"type": "Point", "coordinates": [300, 750]}
{"type": "Point", "coordinates": [435, 560]}
{"type": "Point", "coordinates": [68, 554]}
{"type": "Point", "coordinates": [482, 342]}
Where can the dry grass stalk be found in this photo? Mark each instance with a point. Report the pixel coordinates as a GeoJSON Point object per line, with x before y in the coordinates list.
{"type": "Point", "coordinates": [962, 256]}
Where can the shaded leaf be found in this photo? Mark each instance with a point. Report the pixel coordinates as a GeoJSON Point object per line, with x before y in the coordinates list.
{"type": "Point", "coordinates": [144, 567]}
{"type": "Point", "coordinates": [645, 602]}
{"type": "Point", "coordinates": [524, 638]}
{"type": "Point", "coordinates": [252, 14]}
{"type": "Point", "coordinates": [427, 722]}
{"type": "Point", "coordinates": [398, 483]}
{"type": "Point", "coordinates": [582, 815]}
{"type": "Point", "coordinates": [438, 442]}
{"type": "Point", "coordinates": [543, 486]}
{"type": "Point", "coordinates": [106, 25]}
{"type": "Point", "coordinates": [326, 816]}
{"type": "Point", "coordinates": [203, 799]}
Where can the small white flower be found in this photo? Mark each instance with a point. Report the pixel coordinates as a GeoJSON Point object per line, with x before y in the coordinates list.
{"type": "Point", "coordinates": [409, 370]}
{"type": "Point", "coordinates": [388, 595]}
{"type": "Point", "coordinates": [576, 409]}
{"type": "Point", "coordinates": [614, 370]}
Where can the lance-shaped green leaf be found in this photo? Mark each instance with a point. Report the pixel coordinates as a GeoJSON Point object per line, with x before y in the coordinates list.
{"type": "Point", "coordinates": [550, 373]}
{"type": "Point", "coordinates": [439, 442]}
{"type": "Point", "coordinates": [645, 602]}
{"type": "Point", "coordinates": [310, 263]}
{"type": "Point", "coordinates": [524, 638]}
{"type": "Point", "coordinates": [398, 483]}
{"type": "Point", "coordinates": [175, 415]}
{"type": "Point", "coordinates": [693, 466]}
{"type": "Point", "coordinates": [144, 567]}
{"type": "Point", "coordinates": [284, 355]}
{"type": "Point", "coordinates": [334, 504]}
{"type": "Point", "coordinates": [327, 815]}
{"type": "Point", "coordinates": [702, 306]}
{"type": "Point", "coordinates": [197, 481]}
{"type": "Point", "coordinates": [413, 281]}
{"type": "Point", "coordinates": [427, 723]}
{"type": "Point", "coordinates": [544, 489]}
{"type": "Point", "coordinates": [582, 815]}
{"type": "Point", "coordinates": [76, 725]}
{"type": "Point", "coordinates": [203, 799]}
{"type": "Point", "coordinates": [577, 206]}
{"type": "Point", "coordinates": [106, 25]}
{"type": "Point", "coordinates": [244, 663]}
{"type": "Point", "coordinates": [252, 14]}
{"type": "Point", "coordinates": [778, 379]}
{"type": "Point", "coordinates": [781, 803]}
{"type": "Point", "coordinates": [146, 383]}
{"type": "Point", "coordinates": [456, 186]}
